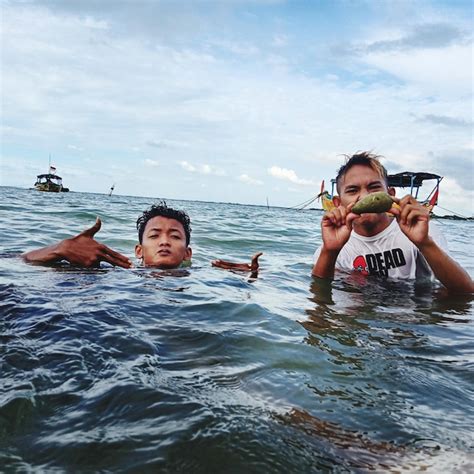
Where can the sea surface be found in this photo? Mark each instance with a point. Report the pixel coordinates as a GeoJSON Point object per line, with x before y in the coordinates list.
{"type": "Point", "coordinates": [202, 370]}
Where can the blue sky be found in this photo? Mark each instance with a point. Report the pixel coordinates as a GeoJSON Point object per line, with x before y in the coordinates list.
{"type": "Point", "coordinates": [235, 101]}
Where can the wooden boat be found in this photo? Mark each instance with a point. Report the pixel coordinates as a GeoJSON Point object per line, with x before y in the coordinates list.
{"type": "Point", "coordinates": [51, 183]}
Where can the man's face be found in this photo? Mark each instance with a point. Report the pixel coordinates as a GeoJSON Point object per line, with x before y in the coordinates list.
{"type": "Point", "coordinates": [359, 181]}
{"type": "Point", "coordinates": [163, 244]}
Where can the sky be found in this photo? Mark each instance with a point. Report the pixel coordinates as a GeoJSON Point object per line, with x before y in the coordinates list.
{"type": "Point", "coordinates": [235, 101]}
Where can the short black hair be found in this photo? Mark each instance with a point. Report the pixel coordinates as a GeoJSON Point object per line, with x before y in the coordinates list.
{"type": "Point", "coordinates": [162, 210]}
{"type": "Point", "coordinates": [362, 158]}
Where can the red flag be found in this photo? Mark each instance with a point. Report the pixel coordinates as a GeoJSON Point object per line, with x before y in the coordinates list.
{"type": "Point", "coordinates": [434, 198]}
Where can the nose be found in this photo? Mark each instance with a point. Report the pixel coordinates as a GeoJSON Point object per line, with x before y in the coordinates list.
{"type": "Point", "coordinates": [362, 194]}
{"type": "Point", "coordinates": [164, 240]}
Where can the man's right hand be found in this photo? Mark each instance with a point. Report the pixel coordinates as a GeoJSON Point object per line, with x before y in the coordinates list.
{"type": "Point", "coordinates": [336, 227]}
{"type": "Point", "coordinates": [81, 250]}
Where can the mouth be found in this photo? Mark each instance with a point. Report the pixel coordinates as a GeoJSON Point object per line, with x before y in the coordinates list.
{"type": "Point", "coordinates": [164, 253]}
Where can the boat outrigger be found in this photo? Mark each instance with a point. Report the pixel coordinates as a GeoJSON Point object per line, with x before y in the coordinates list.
{"type": "Point", "coordinates": [50, 182]}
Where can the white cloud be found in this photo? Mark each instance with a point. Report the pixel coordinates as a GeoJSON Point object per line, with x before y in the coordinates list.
{"type": "Point", "coordinates": [74, 147]}
{"type": "Point", "coordinates": [454, 199]}
{"type": "Point", "coordinates": [121, 84]}
{"type": "Point", "coordinates": [92, 23]}
{"type": "Point", "coordinates": [149, 162]}
{"type": "Point", "coordinates": [438, 70]}
{"type": "Point", "coordinates": [289, 175]}
{"type": "Point", "coordinates": [187, 166]}
{"type": "Point", "coordinates": [280, 40]}
{"type": "Point", "coordinates": [248, 180]}
{"type": "Point", "coordinates": [202, 168]}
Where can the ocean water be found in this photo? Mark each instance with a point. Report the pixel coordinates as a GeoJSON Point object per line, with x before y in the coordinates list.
{"type": "Point", "coordinates": [204, 370]}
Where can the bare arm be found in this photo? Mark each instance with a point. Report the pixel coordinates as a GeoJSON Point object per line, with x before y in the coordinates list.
{"type": "Point", "coordinates": [81, 250]}
{"type": "Point", "coordinates": [446, 269]}
{"type": "Point", "coordinates": [413, 219]}
{"type": "Point", "coordinates": [326, 263]}
{"type": "Point", "coordinates": [253, 266]}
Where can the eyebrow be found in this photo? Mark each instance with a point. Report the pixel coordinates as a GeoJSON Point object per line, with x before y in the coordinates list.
{"type": "Point", "coordinates": [356, 186]}
{"type": "Point", "coordinates": [159, 229]}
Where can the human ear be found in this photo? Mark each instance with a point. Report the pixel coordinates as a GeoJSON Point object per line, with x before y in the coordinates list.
{"type": "Point", "coordinates": [336, 200]}
{"type": "Point", "coordinates": [138, 251]}
{"type": "Point", "coordinates": [391, 191]}
{"type": "Point", "coordinates": [188, 253]}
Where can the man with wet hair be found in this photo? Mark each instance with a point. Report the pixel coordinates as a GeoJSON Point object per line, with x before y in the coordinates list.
{"type": "Point", "coordinates": [399, 244]}
{"type": "Point", "coordinates": [164, 236]}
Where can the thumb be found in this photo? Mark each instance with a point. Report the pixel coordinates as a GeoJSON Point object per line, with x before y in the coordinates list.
{"type": "Point", "coordinates": [92, 230]}
{"type": "Point", "coordinates": [254, 264]}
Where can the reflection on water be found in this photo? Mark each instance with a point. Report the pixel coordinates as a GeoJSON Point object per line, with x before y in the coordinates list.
{"type": "Point", "coordinates": [402, 349]}
{"type": "Point", "coordinates": [205, 370]}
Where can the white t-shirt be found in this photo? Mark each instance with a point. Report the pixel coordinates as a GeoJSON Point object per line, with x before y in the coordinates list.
{"type": "Point", "coordinates": [389, 253]}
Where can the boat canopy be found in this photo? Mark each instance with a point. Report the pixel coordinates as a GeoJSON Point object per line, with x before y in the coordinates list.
{"type": "Point", "coordinates": [408, 179]}
{"type": "Point", "coordinates": [48, 175]}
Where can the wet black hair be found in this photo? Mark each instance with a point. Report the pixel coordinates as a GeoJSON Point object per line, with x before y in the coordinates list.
{"type": "Point", "coordinates": [362, 158]}
{"type": "Point", "coordinates": [162, 210]}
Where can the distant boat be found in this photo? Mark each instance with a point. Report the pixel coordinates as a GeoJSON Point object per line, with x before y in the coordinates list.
{"type": "Point", "coordinates": [50, 182]}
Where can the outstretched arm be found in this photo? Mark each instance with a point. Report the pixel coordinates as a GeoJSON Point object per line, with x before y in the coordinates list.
{"type": "Point", "coordinates": [413, 219]}
{"type": "Point", "coordinates": [253, 266]}
{"type": "Point", "coordinates": [81, 250]}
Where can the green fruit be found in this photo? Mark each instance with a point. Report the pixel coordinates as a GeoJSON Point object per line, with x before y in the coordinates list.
{"type": "Point", "coordinates": [374, 202]}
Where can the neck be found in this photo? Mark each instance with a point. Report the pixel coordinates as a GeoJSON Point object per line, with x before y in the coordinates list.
{"type": "Point", "coordinates": [369, 227]}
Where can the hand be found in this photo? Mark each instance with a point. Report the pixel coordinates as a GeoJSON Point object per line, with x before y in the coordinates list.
{"type": "Point", "coordinates": [84, 251]}
{"type": "Point", "coordinates": [336, 227]}
{"type": "Point", "coordinates": [242, 267]}
{"type": "Point", "coordinates": [413, 219]}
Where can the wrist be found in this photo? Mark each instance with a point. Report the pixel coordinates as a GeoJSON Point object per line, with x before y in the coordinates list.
{"type": "Point", "coordinates": [330, 252]}
{"type": "Point", "coordinates": [60, 249]}
{"type": "Point", "coordinates": [426, 245]}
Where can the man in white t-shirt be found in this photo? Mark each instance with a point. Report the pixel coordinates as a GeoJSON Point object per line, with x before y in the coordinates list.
{"type": "Point", "coordinates": [402, 245]}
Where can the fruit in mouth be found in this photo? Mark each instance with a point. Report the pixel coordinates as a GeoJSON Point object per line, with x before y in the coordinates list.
{"type": "Point", "coordinates": [374, 202]}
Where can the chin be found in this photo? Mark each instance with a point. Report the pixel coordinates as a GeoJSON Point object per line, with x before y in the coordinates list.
{"type": "Point", "coordinates": [370, 218]}
{"type": "Point", "coordinates": [164, 263]}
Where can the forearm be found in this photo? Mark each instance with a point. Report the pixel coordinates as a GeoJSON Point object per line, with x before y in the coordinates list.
{"type": "Point", "coordinates": [325, 264]}
{"type": "Point", "coordinates": [446, 270]}
{"type": "Point", "coordinates": [49, 254]}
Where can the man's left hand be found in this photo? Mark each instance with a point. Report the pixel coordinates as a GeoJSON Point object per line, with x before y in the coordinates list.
{"type": "Point", "coordinates": [242, 267]}
{"type": "Point", "coordinates": [413, 219]}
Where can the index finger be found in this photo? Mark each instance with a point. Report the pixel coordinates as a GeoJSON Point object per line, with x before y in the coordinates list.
{"type": "Point", "coordinates": [395, 199]}
{"type": "Point", "coordinates": [115, 258]}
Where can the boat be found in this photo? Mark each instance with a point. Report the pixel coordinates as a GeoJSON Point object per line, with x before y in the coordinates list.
{"type": "Point", "coordinates": [405, 179]}
{"type": "Point", "coordinates": [414, 181]}
{"type": "Point", "coordinates": [50, 182]}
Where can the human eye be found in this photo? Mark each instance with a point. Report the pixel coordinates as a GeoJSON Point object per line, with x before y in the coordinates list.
{"type": "Point", "coordinates": [375, 186]}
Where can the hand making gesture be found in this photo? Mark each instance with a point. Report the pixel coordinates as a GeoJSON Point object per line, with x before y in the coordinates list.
{"type": "Point", "coordinates": [242, 267]}
{"type": "Point", "coordinates": [81, 250]}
